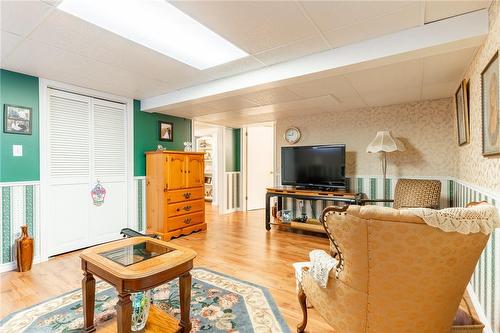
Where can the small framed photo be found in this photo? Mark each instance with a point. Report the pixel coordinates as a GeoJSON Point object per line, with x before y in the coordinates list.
{"type": "Point", "coordinates": [165, 131]}
{"type": "Point", "coordinates": [17, 119]}
{"type": "Point", "coordinates": [490, 94]}
{"type": "Point", "coordinates": [462, 113]}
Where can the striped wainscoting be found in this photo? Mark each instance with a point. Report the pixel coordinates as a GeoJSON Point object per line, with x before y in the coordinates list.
{"type": "Point", "coordinates": [19, 206]}
{"type": "Point", "coordinates": [140, 203]}
{"type": "Point", "coordinates": [372, 186]}
{"type": "Point", "coordinates": [232, 191]}
{"type": "Point", "coordinates": [485, 281]}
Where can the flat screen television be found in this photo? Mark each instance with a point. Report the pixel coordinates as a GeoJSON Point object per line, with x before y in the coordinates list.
{"type": "Point", "coordinates": [314, 166]}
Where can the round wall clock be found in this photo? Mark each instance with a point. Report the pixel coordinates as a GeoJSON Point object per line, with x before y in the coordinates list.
{"type": "Point", "coordinates": [292, 135]}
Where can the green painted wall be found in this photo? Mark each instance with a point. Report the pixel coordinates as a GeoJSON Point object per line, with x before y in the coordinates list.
{"type": "Point", "coordinates": [22, 90]}
{"type": "Point", "coordinates": [233, 149]}
{"type": "Point", "coordinates": [146, 135]}
{"type": "Point", "coordinates": [237, 148]}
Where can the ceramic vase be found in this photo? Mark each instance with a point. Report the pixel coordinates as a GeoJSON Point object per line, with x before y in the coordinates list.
{"type": "Point", "coordinates": [24, 247]}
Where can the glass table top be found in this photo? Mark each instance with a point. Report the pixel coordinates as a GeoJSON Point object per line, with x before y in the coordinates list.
{"type": "Point", "coordinates": [132, 254]}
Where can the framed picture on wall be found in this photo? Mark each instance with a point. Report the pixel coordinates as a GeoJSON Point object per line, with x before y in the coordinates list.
{"type": "Point", "coordinates": [165, 131]}
{"type": "Point", "coordinates": [490, 96]}
{"type": "Point", "coordinates": [17, 119]}
{"type": "Point", "coordinates": [462, 113]}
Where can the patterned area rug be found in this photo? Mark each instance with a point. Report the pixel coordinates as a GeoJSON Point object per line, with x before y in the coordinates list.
{"type": "Point", "coordinates": [219, 303]}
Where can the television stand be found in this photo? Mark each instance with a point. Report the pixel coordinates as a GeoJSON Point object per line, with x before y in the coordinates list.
{"type": "Point", "coordinates": [320, 189]}
{"type": "Point", "coordinates": [305, 194]}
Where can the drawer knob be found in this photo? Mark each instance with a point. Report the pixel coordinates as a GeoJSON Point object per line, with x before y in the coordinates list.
{"type": "Point", "coordinates": [187, 221]}
{"type": "Point", "coordinates": [187, 208]}
{"type": "Point", "coordinates": [187, 195]}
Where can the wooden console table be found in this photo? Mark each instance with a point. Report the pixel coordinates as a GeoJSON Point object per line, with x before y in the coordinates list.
{"type": "Point", "coordinates": [290, 192]}
{"type": "Point", "coordinates": [133, 265]}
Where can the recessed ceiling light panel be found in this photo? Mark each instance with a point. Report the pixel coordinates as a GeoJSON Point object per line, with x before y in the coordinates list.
{"type": "Point", "coordinates": [160, 26]}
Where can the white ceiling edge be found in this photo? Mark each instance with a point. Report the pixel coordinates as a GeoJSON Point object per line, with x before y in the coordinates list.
{"type": "Point", "coordinates": [455, 33]}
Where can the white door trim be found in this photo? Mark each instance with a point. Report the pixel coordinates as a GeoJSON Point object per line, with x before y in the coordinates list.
{"type": "Point", "coordinates": [43, 86]}
{"type": "Point", "coordinates": [244, 159]}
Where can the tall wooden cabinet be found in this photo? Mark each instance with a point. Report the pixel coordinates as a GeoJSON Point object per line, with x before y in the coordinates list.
{"type": "Point", "coordinates": [175, 192]}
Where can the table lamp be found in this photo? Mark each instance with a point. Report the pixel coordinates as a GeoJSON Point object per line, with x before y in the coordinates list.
{"type": "Point", "coordinates": [385, 143]}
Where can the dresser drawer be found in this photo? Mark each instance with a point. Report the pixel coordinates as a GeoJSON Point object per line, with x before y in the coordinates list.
{"type": "Point", "coordinates": [185, 207]}
{"type": "Point", "coordinates": [183, 195]}
{"type": "Point", "coordinates": [185, 221]}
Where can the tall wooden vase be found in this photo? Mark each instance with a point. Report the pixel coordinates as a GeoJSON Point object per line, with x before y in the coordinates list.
{"type": "Point", "coordinates": [24, 247]}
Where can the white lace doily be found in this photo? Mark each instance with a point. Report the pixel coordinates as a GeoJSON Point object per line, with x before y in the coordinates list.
{"type": "Point", "coordinates": [480, 218]}
{"type": "Point", "coordinates": [321, 265]}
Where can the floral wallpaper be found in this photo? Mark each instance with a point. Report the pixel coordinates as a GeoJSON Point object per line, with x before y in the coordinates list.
{"type": "Point", "coordinates": [473, 168]}
{"type": "Point", "coordinates": [425, 128]}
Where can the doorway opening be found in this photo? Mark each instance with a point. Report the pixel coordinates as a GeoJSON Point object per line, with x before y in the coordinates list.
{"type": "Point", "coordinates": [206, 139]}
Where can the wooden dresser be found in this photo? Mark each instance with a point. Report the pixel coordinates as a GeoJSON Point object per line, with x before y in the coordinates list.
{"type": "Point", "coordinates": [175, 203]}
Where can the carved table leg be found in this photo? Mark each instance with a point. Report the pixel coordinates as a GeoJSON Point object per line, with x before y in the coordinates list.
{"type": "Point", "coordinates": [88, 295]}
{"type": "Point", "coordinates": [124, 313]}
{"type": "Point", "coordinates": [185, 300]}
{"type": "Point", "coordinates": [302, 300]}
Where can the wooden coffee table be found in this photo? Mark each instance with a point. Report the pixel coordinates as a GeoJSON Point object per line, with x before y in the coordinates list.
{"type": "Point", "coordinates": [137, 264]}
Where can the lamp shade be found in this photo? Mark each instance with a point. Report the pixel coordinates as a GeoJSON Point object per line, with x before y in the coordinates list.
{"type": "Point", "coordinates": [384, 141]}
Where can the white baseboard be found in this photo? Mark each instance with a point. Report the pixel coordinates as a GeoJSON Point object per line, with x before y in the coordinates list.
{"type": "Point", "coordinates": [11, 266]}
{"type": "Point", "coordinates": [8, 266]}
{"type": "Point", "coordinates": [479, 309]}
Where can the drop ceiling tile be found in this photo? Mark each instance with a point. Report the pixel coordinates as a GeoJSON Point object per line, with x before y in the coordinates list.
{"type": "Point", "coordinates": [294, 50]}
{"type": "Point", "coordinates": [271, 96]}
{"type": "Point", "coordinates": [332, 15]}
{"type": "Point", "coordinates": [190, 111]}
{"type": "Point", "coordinates": [448, 67]}
{"type": "Point", "coordinates": [53, 3]}
{"type": "Point", "coordinates": [349, 103]}
{"type": "Point", "coordinates": [21, 17]}
{"type": "Point", "coordinates": [322, 102]}
{"type": "Point", "coordinates": [336, 85]}
{"type": "Point", "coordinates": [391, 77]}
{"type": "Point", "coordinates": [227, 104]}
{"type": "Point", "coordinates": [392, 96]}
{"type": "Point", "coordinates": [8, 42]}
{"type": "Point", "coordinates": [439, 90]}
{"type": "Point", "coordinates": [214, 117]}
{"type": "Point", "coordinates": [302, 112]}
{"type": "Point", "coordinates": [234, 67]}
{"type": "Point", "coordinates": [253, 26]}
{"type": "Point", "coordinates": [71, 34]}
{"type": "Point", "coordinates": [438, 10]}
{"type": "Point", "coordinates": [407, 17]}
{"type": "Point", "coordinates": [74, 35]}
{"type": "Point", "coordinates": [56, 64]}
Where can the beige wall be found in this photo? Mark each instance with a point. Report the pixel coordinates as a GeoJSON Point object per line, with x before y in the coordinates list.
{"type": "Point", "coordinates": [472, 166]}
{"type": "Point", "coordinates": [425, 127]}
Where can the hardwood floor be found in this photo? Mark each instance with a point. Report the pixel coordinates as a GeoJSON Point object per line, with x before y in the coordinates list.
{"type": "Point", "coordinates": [236, 244]}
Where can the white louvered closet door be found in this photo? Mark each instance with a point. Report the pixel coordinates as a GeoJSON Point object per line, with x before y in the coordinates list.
{"type": "Point", "coordinates": [109, 166]}
{"type": "Point", "coordinates": [86, 141]}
